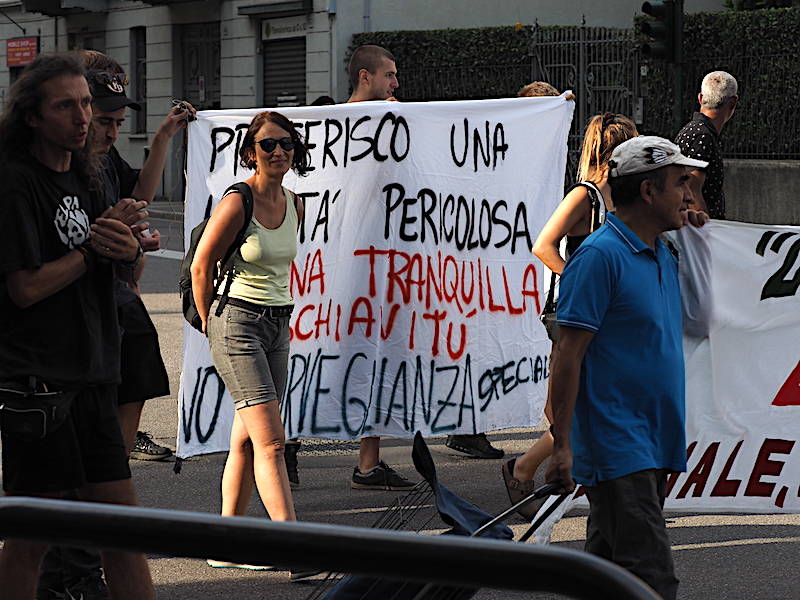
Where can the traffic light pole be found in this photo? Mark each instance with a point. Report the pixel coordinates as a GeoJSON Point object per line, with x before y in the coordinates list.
{"type": "Point", "coordinates": [663, 40]}
{"type": "Point", "coordinates": [677, 65]}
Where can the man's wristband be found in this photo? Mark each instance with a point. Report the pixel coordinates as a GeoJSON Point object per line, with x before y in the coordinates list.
{"type": "Point", "coordinates": [89, 257]}
{"type": "Point", "coordinates": [131, 264]}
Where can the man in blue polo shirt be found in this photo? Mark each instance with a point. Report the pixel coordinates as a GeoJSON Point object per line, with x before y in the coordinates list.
{"type": "Point", "coordinates": [617, 375]}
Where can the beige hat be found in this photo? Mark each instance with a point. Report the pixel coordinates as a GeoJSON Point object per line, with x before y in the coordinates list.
{"type": "Point", "coordinates": [648, 153]}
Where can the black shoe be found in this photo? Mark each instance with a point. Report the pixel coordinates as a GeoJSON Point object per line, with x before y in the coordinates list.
{"type": "Point", "coordinates": [477, 446]}
{"type": "Point", "coordinates": [382, 477]}
{"type": "Point", "coordinates": [144, 448]}
{"type": "Point", "coordinates": [290, 457]}
{"type": "Point", "coordinates": [296, 575]}
{"type": "Point", "coordinates": [89, 588]}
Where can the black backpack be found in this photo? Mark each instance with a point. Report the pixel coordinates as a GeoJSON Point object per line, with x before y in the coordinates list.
{"type": "Point", "coordinates": [226, 266]}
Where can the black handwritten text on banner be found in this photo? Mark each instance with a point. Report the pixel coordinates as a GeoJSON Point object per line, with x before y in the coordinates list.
{"type": "Point", "coordinates": [416, 295]}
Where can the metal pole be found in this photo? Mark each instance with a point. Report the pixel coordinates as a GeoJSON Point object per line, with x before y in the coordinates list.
{"type": "Point", "coordinates": [2, 12]}
{"type": "Point", "coordinates": [445, 559]}
{"type": "Point", "coordinates": [677, 104]}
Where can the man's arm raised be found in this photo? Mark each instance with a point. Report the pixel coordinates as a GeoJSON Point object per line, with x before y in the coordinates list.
{"type": "Point", "coordinates": [150, 175]}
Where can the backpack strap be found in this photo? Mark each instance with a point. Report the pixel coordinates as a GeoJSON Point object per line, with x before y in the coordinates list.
{"type": "Point", "coordinates": [595, 201]}
{"type": "Point", "coordinates": [296, 199]}
{"type": "Point", "coordinates": [227, 269]}
{"type": "Point", "coordinates": [549, 303]}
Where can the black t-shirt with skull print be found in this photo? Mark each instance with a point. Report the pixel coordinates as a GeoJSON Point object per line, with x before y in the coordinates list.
{"type": "Point", "coordinates": [71, 338]}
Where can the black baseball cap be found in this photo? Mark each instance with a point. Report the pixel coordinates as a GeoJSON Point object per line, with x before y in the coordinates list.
{"type": "Point", "coordinates": [108, 91]}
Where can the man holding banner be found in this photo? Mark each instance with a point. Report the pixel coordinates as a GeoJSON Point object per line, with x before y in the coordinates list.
{"type": "Point", "coordinates": [621, 286]}
{"type": "Point", "coordinates": [373, 75]}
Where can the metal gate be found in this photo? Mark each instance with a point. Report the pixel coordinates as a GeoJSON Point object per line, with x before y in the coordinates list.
{"type": "Point", "coordinates": [601, 67]}
{"type": "Point", "coordinates": [285, 72]}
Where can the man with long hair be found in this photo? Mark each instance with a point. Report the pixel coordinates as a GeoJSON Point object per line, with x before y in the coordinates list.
{"type": "Point", "coordinates": [58, 325]}
{"type": "Point", "coordinates": [77, 571]}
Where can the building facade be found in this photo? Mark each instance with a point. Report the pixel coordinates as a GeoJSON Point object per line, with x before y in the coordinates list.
{"type": "Point", "coordinates": [246, 53]}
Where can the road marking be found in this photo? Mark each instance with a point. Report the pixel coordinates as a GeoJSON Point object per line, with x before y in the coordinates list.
{"type": "Point", "coordinates": [356, 511]}
{"type": "Point", "coordinates": [747, 542]}
{"type": "Point", "coordinates": [173, 254]}
{"type": "Point", "coordinates": [573, 529]}
{"type": "Point", "coordinates": [728, 520]}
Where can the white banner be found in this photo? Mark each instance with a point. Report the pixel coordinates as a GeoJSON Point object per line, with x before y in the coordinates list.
{"type": "Point", "coordinates": [743, 380]}
{"type": "Point", "coordinates": [739, 284]}
{"type": "Point", "coordinates": [416, 295]}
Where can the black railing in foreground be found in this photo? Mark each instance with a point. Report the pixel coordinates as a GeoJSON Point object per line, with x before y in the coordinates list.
{"type": "Point", "coordinates": [468, 562]}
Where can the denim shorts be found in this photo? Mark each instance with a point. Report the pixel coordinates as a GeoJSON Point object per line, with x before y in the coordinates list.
{"type": "Point", "coordinates": [251, 353]}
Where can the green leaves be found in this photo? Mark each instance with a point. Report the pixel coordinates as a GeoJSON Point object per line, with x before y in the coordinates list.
{"type": "Point", "coordinates": [761, 48]}
{"type": "Point", "coordinates": [449, 64]}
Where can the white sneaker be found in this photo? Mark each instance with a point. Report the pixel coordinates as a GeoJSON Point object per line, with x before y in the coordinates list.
{"type": "Point", "coordinates": [224, 564]}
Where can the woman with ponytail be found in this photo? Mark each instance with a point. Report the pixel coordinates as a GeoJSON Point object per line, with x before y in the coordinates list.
{"type": "Point", "coordinates": [581, 211]}
{"type": "Point", "coordinates": [573, 217]}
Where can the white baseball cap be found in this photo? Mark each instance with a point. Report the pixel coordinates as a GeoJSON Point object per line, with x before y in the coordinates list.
{"type": "Point", "coordinates": [648, 153]}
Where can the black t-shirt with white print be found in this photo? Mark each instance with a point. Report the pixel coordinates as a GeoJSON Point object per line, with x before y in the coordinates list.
{"type": "Point", "coordinates": [71, 338]}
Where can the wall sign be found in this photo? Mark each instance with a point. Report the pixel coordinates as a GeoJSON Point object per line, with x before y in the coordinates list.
{"type": "Point", "coordinates": [279, 29]}
{"type": "Point", "coordinates": [21, 51]}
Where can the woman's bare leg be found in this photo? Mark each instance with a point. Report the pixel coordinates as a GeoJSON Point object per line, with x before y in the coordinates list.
{"type": "Point", "coordinates": [237, 477]}
{"type": "Point", "coordinates": [264, 426]}
{"type": "Point", "coordinates": [525, 466]}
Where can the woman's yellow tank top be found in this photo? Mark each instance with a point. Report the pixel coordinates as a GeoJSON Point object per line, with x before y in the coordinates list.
{"type": "Point", "coordinates": [262, 270]}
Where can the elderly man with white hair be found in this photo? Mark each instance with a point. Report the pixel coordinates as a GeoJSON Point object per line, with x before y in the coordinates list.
{"type": "Point", "coordinates": [700, 139]}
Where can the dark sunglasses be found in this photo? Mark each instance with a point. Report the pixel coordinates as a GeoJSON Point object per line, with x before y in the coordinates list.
{"type": "Point", "coordinates": [269, 144]}
{"type": "Point", "coordinates": [106, 77]}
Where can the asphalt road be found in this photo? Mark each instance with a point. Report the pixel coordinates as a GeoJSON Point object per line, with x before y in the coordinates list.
{"type": "Point", "coordinates": [717, 556]}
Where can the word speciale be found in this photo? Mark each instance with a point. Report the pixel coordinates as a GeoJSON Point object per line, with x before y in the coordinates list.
{"type": "Point", "coordinates": [331, 394]}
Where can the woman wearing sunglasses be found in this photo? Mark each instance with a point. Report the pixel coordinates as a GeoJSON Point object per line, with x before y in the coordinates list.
{"type": "Point", "coordinates": [250, 338]}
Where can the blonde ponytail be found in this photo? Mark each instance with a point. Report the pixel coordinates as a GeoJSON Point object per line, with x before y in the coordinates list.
{"type": "Point", "coordinates": [603, 133]}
